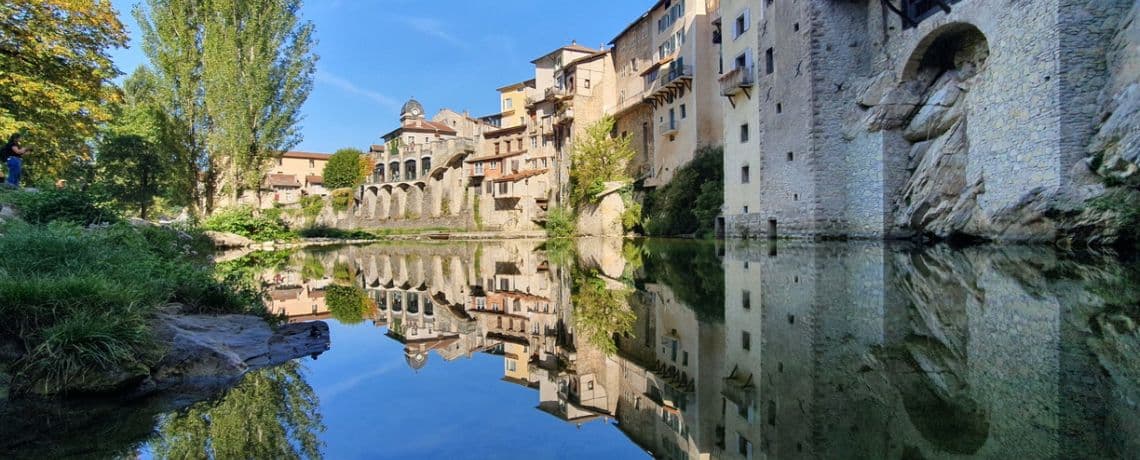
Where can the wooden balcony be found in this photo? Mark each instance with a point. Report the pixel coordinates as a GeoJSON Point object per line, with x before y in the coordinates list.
{"type": "Point", "coordinates": [737, 80]}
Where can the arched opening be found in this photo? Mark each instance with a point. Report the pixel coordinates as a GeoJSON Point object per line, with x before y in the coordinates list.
{"type": "Point", "coordinates": [394, 171]}
{"type": "Point", "coordinates": [409, 170]}
{"type": "Point", "coordinates": [378, 174]}
{"type": "Point", "coordinates": [425, 166]}
{"type": "Point", "coordinates": [956, 46]}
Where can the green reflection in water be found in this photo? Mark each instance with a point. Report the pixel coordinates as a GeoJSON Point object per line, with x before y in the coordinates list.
{"type": "Point", "coordinates": [272, 413]}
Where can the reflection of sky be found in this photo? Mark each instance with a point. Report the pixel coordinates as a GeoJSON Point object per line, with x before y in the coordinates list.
{"type": "Point", "coordinates": [375, 406]}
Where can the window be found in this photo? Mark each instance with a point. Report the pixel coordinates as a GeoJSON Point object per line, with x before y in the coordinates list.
{"type": "Point", "coordinates": [519, 143]}
{"type": "Point", "coordinates": [791, 156]}
{"type": "Point", "coordinates": [495, 164]}
{"type": "Point", "coordinates": [280, 161]}
{"type": "Point", "coordinates": [507, 104]}
{"type": "Point", "coordinates": [744, 446]}
{"type": "Point", "coordinates": [533, 142]}
{"type": "Point", "coordinates": [496, 147]}
{"type": "Point", "coordinates": [746, 299]}
{"type": "Point", "coordinates": [685, 359]}
{"type": "Point", "coordinates": [746, 340]}
{"type": "Point", "coordinates": [590, 385]}
{"type": "Point", "coordinates": [586, 83]}
{"type": "Point", "coordinates": [741, 61]}
{"type": "Point", "coordinates": [683, 112]}
{"type": "Point", "coordinates": [744, 174]}
{"type": "Point", "coordinates": [312, 163]}
{"type": "Point", "coordinates": [770, 61]}
{"type": "Point", "coordinates": [746, 209]}
{"type": "Point", "coordinates": [742, 23]}
{"type": "Point", "coordinates": [503, 188]}
{"type": "Point", "coordinates": [779, 108]}
{"type": "Point", "coordinates": [744, 133]}
{"type": "Point", "coordinates": [511, 365]}
{"type": "Point", "coordinates": [504, 284]}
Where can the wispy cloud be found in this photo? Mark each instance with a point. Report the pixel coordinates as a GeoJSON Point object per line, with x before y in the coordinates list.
{"type": "Point", "coordinates": [343, 84]}
{"type": "Point", "coordinates": [336, 389]}
{"type": "Point", "coordinates": [434, 28]}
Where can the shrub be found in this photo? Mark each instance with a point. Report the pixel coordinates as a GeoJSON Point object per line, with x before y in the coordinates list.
{"type": "Point", "coordinates": [341, 198]}
{"type": "Point", "coordinates": [67, 205]}
{"type": "Point", "coordinates": [559, 223]}
{"type": "Point", "coordinates": [330, 232]}
{"type": "Point", "coordinates": [312, 268]}
{"type": "Point", "coordinates": [244, 221]}
{"type": "Point", "coordinates": [311, 206]}
{"type": "Point", "coordinates": [347, 304]}
{"type": "Point", "coordinates": [691, 201]}
{"type": "Point", "coordinates": [345, 168]}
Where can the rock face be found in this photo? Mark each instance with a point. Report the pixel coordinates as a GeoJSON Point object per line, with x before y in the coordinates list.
{"type": "Point", "coordinates": [1117, 141]}
{"type": "Point", "coordinates": [207, 351]}
{"type": "Point", "coordinates": [604, 217]}
{"type": "Point", "coordinates": [228, 240]}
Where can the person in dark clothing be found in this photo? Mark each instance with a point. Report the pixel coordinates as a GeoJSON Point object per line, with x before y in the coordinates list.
{"type": "Point", "coordinates": [13, 154]}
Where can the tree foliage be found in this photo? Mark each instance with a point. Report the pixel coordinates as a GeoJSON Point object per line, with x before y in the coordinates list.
{"type": "Point", "coordinates": [131, 169]}
{"type": "Point", "coordinates": [598, 157]}
{"type": "Point", "coordinates": [600, 312]}
{"type": "Point", "coordinates": [691, 201]}
{"type": "Point", "coordinates": [347, 304]}
{"type": "Point", "coordinates": [235, 75]}
{"type": "Point", "coordinates": [346, 168]}
{"type": "Point", "coordinates": [55, 76]}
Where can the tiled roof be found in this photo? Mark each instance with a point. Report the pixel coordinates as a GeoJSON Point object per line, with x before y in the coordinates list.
{"type": "Point", "coordinates": [306, 155]}
{"type": "Point", "coordinates": [314, 180]}
{"type": "Point", "coordinates": [427, 125]}
{"type": "Point", "coordinates": [282, 180]}
{"type": "Point", "coordinates": [520, 175]}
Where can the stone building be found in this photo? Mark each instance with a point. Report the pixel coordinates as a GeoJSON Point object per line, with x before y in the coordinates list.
{"type": "Point", "coordinates": [957, 117]}
{"type": "Point", "coordinates": [419, 180]}
{"type": "Point", "coordinates": [679, 84]}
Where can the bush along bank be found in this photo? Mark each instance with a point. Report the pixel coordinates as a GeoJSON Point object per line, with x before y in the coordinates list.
{"type": "Point", "coordinates": [689, 204]}
{"type": "Point", "coordinates": [83, 304]}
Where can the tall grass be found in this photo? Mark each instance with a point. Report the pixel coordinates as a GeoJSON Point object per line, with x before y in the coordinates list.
{"type": "Point", "coordinates": [79, 299]}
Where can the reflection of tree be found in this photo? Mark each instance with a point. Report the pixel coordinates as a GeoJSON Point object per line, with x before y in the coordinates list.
{"type": "Point", "coordinates": [600, 311]}
{"type": "Point", "coordinates": [272, 413]}
{"type": "Point", "coordinates": [692, 270]}
{"type": "Point", "coordinates": [347, 304]}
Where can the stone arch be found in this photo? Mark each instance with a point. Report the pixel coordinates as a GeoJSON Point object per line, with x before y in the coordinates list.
{"type": "Point", "coordinates": [957, 45]}
{"type": "Point", "coordinates": [399, 201]}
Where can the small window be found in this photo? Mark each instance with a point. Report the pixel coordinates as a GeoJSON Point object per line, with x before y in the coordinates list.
{"type": "Point", "coordinates": [312, 163]}
{"type": "Point", "coordinates": [746, 340]}
{"type": "Point", "coordinates": [496, 147]}
{"type": "Point", "coordinates": [779, 108]}
{"type": "Point", "coordinates": [685, 359]}
{"type": "Point", "coordinates": [741, 61]}
{"type": "Point", "coordinates": [744, 133]}
{"type": "Point", "coordinates": [280, 161]}
{"type": "Point", "coordinates": [746, 298]}
{"type": "Point", "coordinates": [508, 103]}
{"type": "Point", "coordinates": [590, 385]}
{"type": "Point", "coordinates": [586, 83]}
{"type": "Point", "coordinates": [744, 174]}
{"type": "Point", "coordinates": [791, 156]}
{"type": "Point", "coordinates": [684, 113]}
{"type": "Point", "coordinates": [770, 61]}
{"type": "Point", "coordinates": [746, 209]}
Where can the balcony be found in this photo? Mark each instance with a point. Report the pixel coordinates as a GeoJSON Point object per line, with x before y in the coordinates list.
{"type": "Point", "coordinates": [737, 80]}
{"type": "Point", "coordinates": [666, 128]}
{"type": "Point", "coordinates": [668, 84]}
{"type": "Point", "coordinates": [674, 75]}
{"type": "Point", "coordinates": [555, 93]}
{"type": "Point", "coordinates": [564, 116]}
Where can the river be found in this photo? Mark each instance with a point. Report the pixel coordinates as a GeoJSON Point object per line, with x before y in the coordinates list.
{"type": "Point", "coordinates": [674, 349]}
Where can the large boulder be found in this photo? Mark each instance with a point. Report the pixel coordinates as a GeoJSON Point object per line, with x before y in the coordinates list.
{"type": "Point", "coordinates": [603, 217]}
{"type": "Point", "coordinates": [228, 240]}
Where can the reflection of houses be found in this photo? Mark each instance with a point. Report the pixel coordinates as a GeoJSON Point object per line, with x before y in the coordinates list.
{"type": "Point", "coordinates": [297, 298]}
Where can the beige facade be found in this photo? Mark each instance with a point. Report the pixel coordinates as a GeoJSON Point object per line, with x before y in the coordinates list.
{"type": "Point", "coordinates": [740, 103]}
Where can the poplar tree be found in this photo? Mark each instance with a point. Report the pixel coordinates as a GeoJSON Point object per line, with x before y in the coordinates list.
{"type": "Point", "coordinates": [238, 72]}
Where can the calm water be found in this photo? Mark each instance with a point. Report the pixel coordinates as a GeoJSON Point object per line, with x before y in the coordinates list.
{"type": "Point", "coordinates": [611, 349]}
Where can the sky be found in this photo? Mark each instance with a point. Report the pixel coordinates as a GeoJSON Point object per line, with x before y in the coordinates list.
{"type": "Point", "coordinates": [375, 54]}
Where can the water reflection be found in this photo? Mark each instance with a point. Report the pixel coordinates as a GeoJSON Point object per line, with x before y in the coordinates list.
{"type": "Point", "coordinates": [699, 350]}
{"type": "Point", "coordinates": [805, 350]}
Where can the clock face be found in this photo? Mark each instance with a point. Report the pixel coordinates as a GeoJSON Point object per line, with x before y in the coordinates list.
{"type": "Point", "coordinates": [415, 111]}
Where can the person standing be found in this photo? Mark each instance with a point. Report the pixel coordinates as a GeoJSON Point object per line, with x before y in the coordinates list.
{"type": "Point", "coordinates": [13, 154]}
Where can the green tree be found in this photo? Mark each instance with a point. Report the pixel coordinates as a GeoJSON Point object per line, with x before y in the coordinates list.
{"type": "Point", "coordinates": [172, 41]}
{"type": "Point", "coordinates": [55, 75]}
{"type": "Point", "coordinates": [600, 312]}
{"type": "Point", "coordinates": [347, 304]}
{"type": "Point", "coordinates": [258, 64]}
{"type": "Point", "coordinates": [236, 74]}
{"type": "Point", "coordinates": [272, 413]}
{"type": "Point", "coordinates": [598, 157]}
{"type": "Point", "coordinates": [345, 169]}
{"type": "Point", "coordinates": [130, 169]}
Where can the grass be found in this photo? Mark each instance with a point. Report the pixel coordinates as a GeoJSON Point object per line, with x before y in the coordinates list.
{"type": "Point", "coordinates": [66, 205]}
{"type": "Point", "coordinates": [79, 300]}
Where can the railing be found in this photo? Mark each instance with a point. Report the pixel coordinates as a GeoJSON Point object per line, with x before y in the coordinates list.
{"type": "Point", "coordinates": [737, 79]}
{"type": "Point", "coordinates": [667, 127]}
{"type": "Point", "coordinates": [673, 74]}
{"type": "Point", "coordinates": [555, 92]}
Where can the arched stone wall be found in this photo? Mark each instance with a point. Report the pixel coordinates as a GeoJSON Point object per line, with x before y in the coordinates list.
{"type": "Point", "coordinates": [415, 200]}
{"type": "Point", "coordinates": [385, 203]}
{"type": "Point", "coordinates": [957, 45]}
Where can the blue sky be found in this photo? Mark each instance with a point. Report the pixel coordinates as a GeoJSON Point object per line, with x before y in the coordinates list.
{"type": "Point", "coordinates": [375, 54]}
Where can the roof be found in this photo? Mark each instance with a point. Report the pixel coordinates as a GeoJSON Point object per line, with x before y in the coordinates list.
{"type": "Point", "coordinates": [513, 86]}
{"type": "Point", "coordinates": [573, 46]}
{"type": "Point", "coordinates": [314, 180]}
{"type": "Point", "coordinates": [502, 131]}
{"type": "Point", "coordinates": [282, 180]}
{"type": "Point", "coordinates": [285, 293]}
{"type": "Point", "coordinates": [421, 126]}
{"type": "Point", "coordinates": [497, 156]}
{"type": "Point", "coordinates": [306, 155]}
{"type": "Point", "coordinates": [586, 58]}
{"type": "Point", "coordinates": [520, 175]}
{"type": "Point", "coordinates": [375, 148]}
{"type": "Point", "coordinates": [644, 16]}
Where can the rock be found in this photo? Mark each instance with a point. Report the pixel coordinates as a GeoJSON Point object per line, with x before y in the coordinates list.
{"type": "Point", "coordinates": [937, 115]}
{"type": "Point", "coordinates": [1117, 142]}
{"type": "Point", "coordinates": [205, 351]}
{"type": "Point", "coordinates": [604, 217]}
{"type": "Point", "coordinates": [877, 89]}
{"type": "Point", "coordinates": [602, 254]}
{"type": "Point", "coordinates": [228, 240]}
{"type": "Point", "coordinates": [136, 222]}
{"type": "Point", "coordinates": [899, 103]}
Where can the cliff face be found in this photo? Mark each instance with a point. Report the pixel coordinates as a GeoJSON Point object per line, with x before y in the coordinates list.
{"type": "Point", "coordinates": [1115, 149]}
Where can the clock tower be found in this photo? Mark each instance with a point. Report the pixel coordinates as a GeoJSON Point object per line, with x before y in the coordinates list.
{"type": "Point", "coordinates": [412, 110]}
